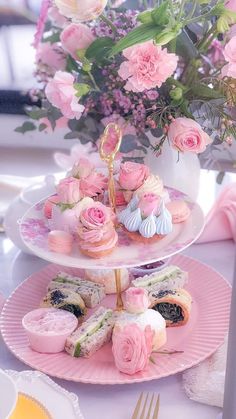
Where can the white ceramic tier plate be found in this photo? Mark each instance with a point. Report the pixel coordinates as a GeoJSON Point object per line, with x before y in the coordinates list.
{"type": "Point", "coordinates": [57, 401]}
{"type": "Point", "coordinates": [198, 339]}
{"type": "Point", "coordinates": [34, 232]}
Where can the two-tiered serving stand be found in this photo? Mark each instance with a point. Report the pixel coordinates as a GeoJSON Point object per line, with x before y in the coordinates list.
{"type": "Point", "coordinates": [192, 343]}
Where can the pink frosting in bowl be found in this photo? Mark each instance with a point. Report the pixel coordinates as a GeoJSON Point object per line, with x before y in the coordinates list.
{"type": "Point", "coordinates": [48, 328]}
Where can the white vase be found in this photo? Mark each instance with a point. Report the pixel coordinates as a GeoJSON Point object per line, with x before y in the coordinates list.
{"type": "Point", "coordinates": [181, 171]}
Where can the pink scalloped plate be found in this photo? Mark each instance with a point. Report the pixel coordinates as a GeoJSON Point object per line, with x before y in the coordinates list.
{"type": "Point", "coordinates": [201, 337]}
{"type": "Point", "coordinates": [34, 232]}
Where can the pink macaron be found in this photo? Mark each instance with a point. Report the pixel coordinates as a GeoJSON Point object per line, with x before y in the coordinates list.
{"type": "Point", "coordinates": [179, 211]}
{"type": "Point", "coordinates": [60, 241]}
{"type": "Point", "coordinates": [48, 205]}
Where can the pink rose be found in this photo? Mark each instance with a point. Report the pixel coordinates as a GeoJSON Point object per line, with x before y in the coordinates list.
{"type": "Point", "coordinates": [94, 184]}
{"type": "Point", "coordinates": [187, 135]}
{"type": "Point", "coordinates": [68, 191]}
{"type": "Point", "coordinates": [132, 175]}
{"type": "Point", "coordinates": [136, 300]}
{"type": "Point", "coordinates": [95, 216]}
{"type": "Point", "coordinates": [132, 347]}
{"type": "Point", "coordinates": [50, 55]}
{"type": "Point", "coordinates": [147, 66]}
{"type": "Point", "coordinates": [81, 10]}
{"type": "Point", "coordinates": [149, 203]}
{"type": "Point", "coordinates": [61, 93]}
{"type": "Point", "coordinates": [82, 168]}
{"type": "Point", "coordinates": [76, 36]}
{"type": "Point", "coordinates": [229, 52]}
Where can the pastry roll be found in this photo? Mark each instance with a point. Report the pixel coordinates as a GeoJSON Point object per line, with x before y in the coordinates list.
{"type": "Point", "coordinates": [65, 299]}
{"type": "Point", "coordinates": [173, 305]}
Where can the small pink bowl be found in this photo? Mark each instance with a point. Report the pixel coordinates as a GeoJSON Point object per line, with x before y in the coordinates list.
{"type": "Point", "coordinates": [48, 328]}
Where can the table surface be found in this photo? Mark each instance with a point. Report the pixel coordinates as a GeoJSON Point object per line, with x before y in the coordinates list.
{"type": "Point", "coordinates": [116, 402]}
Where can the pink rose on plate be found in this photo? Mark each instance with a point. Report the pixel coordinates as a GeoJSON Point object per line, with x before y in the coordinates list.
{"type": "Point", "coordinates": [229, 52]}
{"type": "Point", "coordinates": [82, 168]}
{"type": "Point", "coordinates": [94, 184]}
{"type": "Point", "coordinates": [187, 135]}
{"type": "Point", "coordinates": [136, 300]}
{"type": "Point", "coordinates": [149, 203]}
{"type": "Point", "coordinates": [76, 36]}
{"type": "Point", "coordinates": [81, 10]}
{"type": "Point", "coordinates": [132, 347]}
{"type": "Point", "coordinates": [68, 191]}
{"type": "Point", "coordinates": [61, 93]}
{"type": "Point", "coordinates": [147, 66]}
{"type": "Point", "coordinates": [132, 175]}
{"type": "Point", "coordinates": [95, 216]}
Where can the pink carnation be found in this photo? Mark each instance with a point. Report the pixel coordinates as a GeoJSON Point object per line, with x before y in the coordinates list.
{"type": "Point", "coordinates": [229, 69]}
{"type": "Point", "coordinates": [61, 93]}
{"type": "Point", "coordinates": [75, 37]}
{"type": "Point", "coordinates": [93, 185]}
{"type": "Point", "coordinates": [187, 135]}
{"type": "Point", "coordinates": [50, 55]}
{"type": "Point", "coordinates": [147, 66]}
{"type": "Point", "coordinates": [132, 347]}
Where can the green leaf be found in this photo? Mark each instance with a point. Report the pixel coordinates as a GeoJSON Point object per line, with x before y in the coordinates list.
{"type": "Point", "coordinates": [36, 113]}
{"type": "Point", "coordinates": [26, 126]}
{"type": "Point", "coordinates": [160, 14]}
{"type": "Point", "coordinates": [185, 47]}
{"type": "Point", "coordinates": [42, 127]}
{"type": "Point", "coordinates": [55, 37]}
{"type": "Point", "coordinates": [144, 140]}
{"type": "Point", "coordinates": [145, 17]}
{"type": "Point", "coordinates": [82, 89]}
{"type": "Point", "coordinates": [71, 64]}
{"type": "Point", "coordinates": [220, 178]}
{"type": "Point", "coordinates": [99, 49]}
{"type": "Point", "coordinates": [204, 91]}
{"type": "Point", "coordinates": [71, 135]}
{"type": "Point", "coordinates": [142, 33]}
{"type": "Point", "coordinates": [166, 36]}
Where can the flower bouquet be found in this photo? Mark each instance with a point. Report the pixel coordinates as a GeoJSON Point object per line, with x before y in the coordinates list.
{"type": "Point", "coordinates": [167, 68]}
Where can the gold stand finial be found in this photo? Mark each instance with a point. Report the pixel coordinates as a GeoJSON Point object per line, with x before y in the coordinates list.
{"type": "Point", "coordinates": [110, 157]}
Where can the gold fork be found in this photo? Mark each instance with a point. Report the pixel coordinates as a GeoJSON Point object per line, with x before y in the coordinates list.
{"type": "Point", "coordinates": [140, 412]}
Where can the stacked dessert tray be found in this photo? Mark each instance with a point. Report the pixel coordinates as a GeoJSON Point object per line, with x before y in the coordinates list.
{"type": "Point", "coordinates": [200, 335]}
